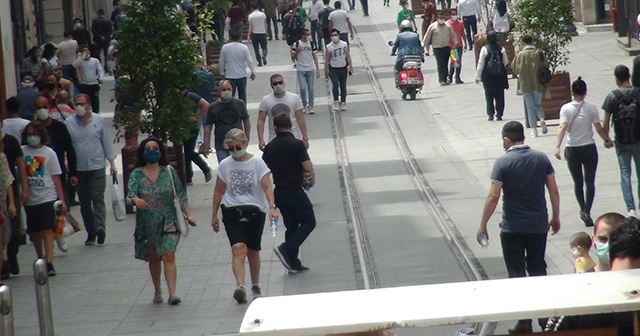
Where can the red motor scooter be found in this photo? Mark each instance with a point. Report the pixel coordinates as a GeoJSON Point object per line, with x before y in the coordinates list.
{"type": "Point", "coordinates": [410, 79]}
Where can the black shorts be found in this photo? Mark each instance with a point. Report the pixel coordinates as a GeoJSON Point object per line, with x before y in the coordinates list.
{"type": "Point", "coordinates": [244, 224]}
{"type": "Point", "coordinates": [40, 217]}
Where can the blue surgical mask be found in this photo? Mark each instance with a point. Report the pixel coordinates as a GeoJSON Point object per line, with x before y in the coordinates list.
{"type": "Point", "coordinates": [239, 154]}
{"type": "Point", "coordinates": [602, 251]}
{"type": "Point", "coordinates": [152, 156]}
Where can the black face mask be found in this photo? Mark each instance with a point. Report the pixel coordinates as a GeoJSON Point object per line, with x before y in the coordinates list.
{"type": "Point", "coordinates": [51, 86]}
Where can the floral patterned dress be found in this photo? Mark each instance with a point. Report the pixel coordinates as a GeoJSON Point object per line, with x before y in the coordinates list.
{"type": "Point", "coordinates": [156, 225]}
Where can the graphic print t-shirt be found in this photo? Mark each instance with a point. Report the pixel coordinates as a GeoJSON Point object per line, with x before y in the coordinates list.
{"type": "Point", "coordinates": [288, 104]}
{"type": "Point", "coordinates": [243, 181]}
{"type": "Point", "coordinates": [41, 165]}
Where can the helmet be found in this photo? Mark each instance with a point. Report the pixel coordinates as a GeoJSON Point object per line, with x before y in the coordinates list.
{"type": "Point", "coordinates": [405, 24]}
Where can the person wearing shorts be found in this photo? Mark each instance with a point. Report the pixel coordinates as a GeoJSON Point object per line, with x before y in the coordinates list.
{"type": "Point", "coordinates": [43, 174]}
{"type": "Point", "coordinates": [243, 179]}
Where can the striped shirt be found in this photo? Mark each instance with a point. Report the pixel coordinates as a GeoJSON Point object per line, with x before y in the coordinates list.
{"type": "Point", "coordinates": [91, 142]}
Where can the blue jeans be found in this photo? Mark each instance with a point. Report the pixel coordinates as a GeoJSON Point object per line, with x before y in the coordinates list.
{"type": "Point", "coordinates": [315, 36]}
{"type": "Point", "coordinates": [298, 217]}
{"type": "Point", "coordinates": [305, 81]}
{"type": "Point", "coordinates": [533, 104]}
{"type": "Point", "coordinates": [471, 28]}
{"type": "Point", "coordinates": [625, 152]}
{"type": "Point", "coordinates": [239, 84]}
{"type": "Point", "coordinates": [222, 153]}
{"type": "Point", "coordinates": [352, 4]}
{"type": "Point", "coordinates": [69, 72]}
{"type": "Point", "coordinates": [344, 37]}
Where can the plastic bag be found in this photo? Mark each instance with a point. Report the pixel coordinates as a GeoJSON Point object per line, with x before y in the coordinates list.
{"type": "Point", "coordinates": [65, 224]}
{"type": "Point", "coordinates": [455, 58]}
{"type": "Point", "coordinates": [117, 201]}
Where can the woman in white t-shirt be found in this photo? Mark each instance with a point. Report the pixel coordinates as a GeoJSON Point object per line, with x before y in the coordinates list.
{"type": "Point", "coordinates": [576, 120]}
{"type": "Point", "coordinates": [43, 174]}
{"type": "Point", "coordinates": [242, 184]}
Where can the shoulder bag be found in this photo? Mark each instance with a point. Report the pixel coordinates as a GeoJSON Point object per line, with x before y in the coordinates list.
{"type": "Point", "coordinates": [574, 116]}
{"type": "Point", "coordinates": [181, 218]}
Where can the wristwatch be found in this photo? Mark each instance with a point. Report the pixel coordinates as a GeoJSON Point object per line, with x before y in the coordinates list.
{"type": "Point", "coordinates": [273, 206]}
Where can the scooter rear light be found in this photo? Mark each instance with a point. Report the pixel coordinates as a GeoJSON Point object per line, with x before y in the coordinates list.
{"type": "Point", "coordinates": [402, 77]}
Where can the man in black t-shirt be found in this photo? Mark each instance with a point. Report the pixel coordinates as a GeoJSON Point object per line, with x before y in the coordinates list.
{"type": "Point", "coordinates": [226, 113]}
{"type": "Point", "coordinates": [292, 170]}
{"type": "Point", "coordinates": [15, 158]}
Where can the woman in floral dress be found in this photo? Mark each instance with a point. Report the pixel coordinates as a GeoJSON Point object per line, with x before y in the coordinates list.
{"type": "Point", "coordinates": [157, 235]}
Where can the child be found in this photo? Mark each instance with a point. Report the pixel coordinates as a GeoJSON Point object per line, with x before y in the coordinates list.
{"type": "Point", "coordinates": [580, 244]}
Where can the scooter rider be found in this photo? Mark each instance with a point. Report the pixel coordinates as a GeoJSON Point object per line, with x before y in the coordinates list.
{"type": "Point", "coordinates": [407, 43]}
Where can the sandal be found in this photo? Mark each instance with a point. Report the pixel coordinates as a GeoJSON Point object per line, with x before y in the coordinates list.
{"type": "Point", "coordinates": [158, 299]}
{"type": "Point", "coordinates": [174, 300]}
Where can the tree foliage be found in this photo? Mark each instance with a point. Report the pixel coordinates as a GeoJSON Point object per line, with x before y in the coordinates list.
{"type": "Point", "coordinates": [546, 21]}
{"type": "Point", "coordinates": [158, 58]}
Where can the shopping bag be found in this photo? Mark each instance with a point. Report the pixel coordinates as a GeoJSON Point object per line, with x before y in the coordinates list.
{"type": "Point", "coordinates": [117, 201]}
{"type": "Point", "coordinates": [455, 58]}
{"type": "Point", "coordinates": [64, 225]}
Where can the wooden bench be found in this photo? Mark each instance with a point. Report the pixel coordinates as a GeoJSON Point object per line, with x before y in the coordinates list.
{"type": "Point", "coordinates": [461, 303]}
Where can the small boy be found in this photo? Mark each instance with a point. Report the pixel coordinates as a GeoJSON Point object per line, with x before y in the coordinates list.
{"type": "Point", "coordinates": [580, 244]}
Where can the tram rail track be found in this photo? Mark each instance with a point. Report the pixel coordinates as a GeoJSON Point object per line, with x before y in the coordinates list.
{"type": "Point", "coordinates": [361, 248]}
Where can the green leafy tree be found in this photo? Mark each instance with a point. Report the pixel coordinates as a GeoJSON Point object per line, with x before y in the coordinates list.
{"type": "Point", "coordinates": [546, 21]}
{"type": "Point", "coordinates": [157, 57]}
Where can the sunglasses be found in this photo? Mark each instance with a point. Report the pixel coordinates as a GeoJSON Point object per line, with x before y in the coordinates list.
{"type": "Point", "coordinates": [147, 149]}
{"type": "Point", "coordinates": [277, 83]}
{"type": "Point", "coordinates": [235, 148]}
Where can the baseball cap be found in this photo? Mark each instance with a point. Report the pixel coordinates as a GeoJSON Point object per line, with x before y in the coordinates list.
{"type": "Point", "coordinates": [27, 80]}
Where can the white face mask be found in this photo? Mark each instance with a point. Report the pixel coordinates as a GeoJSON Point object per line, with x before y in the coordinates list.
{"type": "Point", "coordinates": [440, 21]}
{"type": "Point", "coordinates": [33, 140]}
{"type": "Point", "coordinates": [78, 25]}
{"type": "Point", "coordinates": [335, 39]}
{"type": "Point", "coordinates": [43, 114]}
{"type": "Point", "coordinates": [454, 17]}
{"type": "Point", "coordinates": [85, 55]}
{"type": "Point", "coordinates": [575, 252]}
{"type": "Point", "coordinates": [81, 110]}
{"type": "Point", "coordinates": [278, 89]}
{"type": "Point", "coordinates": [226, 95]}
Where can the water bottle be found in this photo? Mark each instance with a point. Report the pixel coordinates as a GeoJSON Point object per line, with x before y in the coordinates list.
{"type": "Point", "coordinates": [483, 240]}
{"type": "Point", "coordinates": [274, 227]}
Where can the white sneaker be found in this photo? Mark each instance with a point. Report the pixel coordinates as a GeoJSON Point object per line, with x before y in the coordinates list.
{"type": "Point", "coordinates": [544, 126]}
{"type": "Point", "coordinates": [632, 213]}
{"type": "Point", "coordinates": [343, 106]}
{"type": "Point", "coordinates": [62, 244]}
{"type": "Point", "coordinates": [336, 106]}
{"type": "Point", "coordinates": [311, 111]}
{"type": "Point", "coordinates": [305, 110]}
{"type": "Point", "coordinates": [534, 133]}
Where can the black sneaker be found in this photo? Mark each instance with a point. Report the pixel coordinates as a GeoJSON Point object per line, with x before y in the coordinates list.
{"type": "Point", "coordinates": [284, 259]}
{"type": "Point", "coordinates": [264, 60]}
{"type": "Point", "coordinates": [256, 291]}
{"type": "Point", "coordinates": [51, 270]}
{"type": "Point", "coordinates": [14, 266]}
{"type": "Point", "coordinates": [91, 240]}
{"type": "Point", "coordinates": [240, 294]}
{"type": "Point", "coordinates": [490, 118]}
{"type": "Point", "coordinates": [6, 272]}
{"type": "Point", "coordinates": [586, 218]}
{"type": "Point", "coordinates": [102, 234]}
{"type": "Point", "coordinates": [499, 118]}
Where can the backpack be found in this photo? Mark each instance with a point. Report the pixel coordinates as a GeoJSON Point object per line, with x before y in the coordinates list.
{"type": "Point", "coordinates": [495, 66]}
{"type": "Point", "coordinates": [544, 74]}
{"type": "Point", "coordinates": [626, 120]}
{"type": "Point", "coordinates": [294, 25]}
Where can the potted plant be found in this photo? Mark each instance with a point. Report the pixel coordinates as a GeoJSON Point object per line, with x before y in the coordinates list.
{"type": "Point", "coordinates": [548, 21]}
{"type": "Point", "coordinates": [154, 54]}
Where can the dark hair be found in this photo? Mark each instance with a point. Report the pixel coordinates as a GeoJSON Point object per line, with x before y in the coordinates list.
{"type": "Point", "coordinates": [335, 30]}
{"type": "Point", "coordinates": [306, 31]}
{"type": "Point", "coordinates": [275, 75]}
{"type": "Point", "coordinates": [282, 121]}
{"type": "Point", "coordinates": [100, 11]}
{"type": "Point", "coordinates": [48, 52]}
{"type": "Point", "coordinates": [501, 6]}
{"type": "Point", "coordinates": [115, 2]}
{"type": "Point", "coordinates": [579, 87]}
{"type": "Point", "coordinates": [624, 240]}
{"type": "Point", "coordinates": [492, 38]}
{"type": "Point", "coordinates": [77, 20]}
{"type": "Point", "coordinates": [31, 53]}
{"type": "Point", "coordinates": [66, 33]}
{"type": "Point", "coordinates": [612, 219]}
{"type": "Point", "coordinates": [40, 129]}
{"type": "Point", "coordinates": [326, 2]}
{"type": "Point", "coordinates": [337, 4]}
{"type": "Point", "coordinates": [621, 72]}
{"type": "Point", "coordinates": [527, 39]}
{"type": "Point", "coordinates": [141, 161]}
{"type": "Point", "coordinates": [234, 36]}
{"type": "Point", "coordinates": [13, 105]}
{"type": "Point", "coordinates": [581, 239]}
{"type": "Point", "coordinates": [513, 131]}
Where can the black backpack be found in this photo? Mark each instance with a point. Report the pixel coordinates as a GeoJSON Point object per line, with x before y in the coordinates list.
{"type": "Point", "coordinates": [495, 67]}
{"type": "Point", "coordinates": [626, 120]}
{"type": "Point", "coordinates": [294, 25]}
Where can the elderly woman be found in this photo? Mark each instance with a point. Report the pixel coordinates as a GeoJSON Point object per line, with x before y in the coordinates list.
{"type": "Point", "coordinates": [243, 178]}
{"type": "Point", "coordinates": [157, 235]}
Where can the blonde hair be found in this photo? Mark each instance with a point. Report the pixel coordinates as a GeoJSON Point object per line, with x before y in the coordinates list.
{"type": "Point", "coordinates": [581, 239]}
